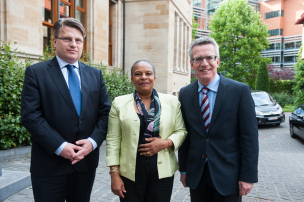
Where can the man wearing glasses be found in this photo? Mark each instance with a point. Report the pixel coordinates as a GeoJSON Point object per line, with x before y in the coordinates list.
{"type": "Point", "coordinates": [65, 107]}
{"type": "Point", "coordinates": [219, 157]}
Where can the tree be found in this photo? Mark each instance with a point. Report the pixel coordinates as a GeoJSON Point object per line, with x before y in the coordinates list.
{"type": "Point", "coordinates": [194, 28]}
{"type": "Point", "coordinates": [262, 80]}
{"type": "Point", "coordinates": [299, 78]}
{"type": "Point", "coordinates": [241, 36]}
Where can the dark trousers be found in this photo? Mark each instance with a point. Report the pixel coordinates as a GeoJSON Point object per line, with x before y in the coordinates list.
{"type": "Point", "coordinates": [72, 187]}
{"type": "Point", "coordinates": [147, 186]}
{"type": "Point", "coordinates": [206, 192]}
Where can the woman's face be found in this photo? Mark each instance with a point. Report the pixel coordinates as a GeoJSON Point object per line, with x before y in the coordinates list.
{"type": "Point", "coordinates": [143, 77]}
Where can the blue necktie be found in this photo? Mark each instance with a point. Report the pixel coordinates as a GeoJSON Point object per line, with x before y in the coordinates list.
{"type": "Point", "coordinates": [74, 87]}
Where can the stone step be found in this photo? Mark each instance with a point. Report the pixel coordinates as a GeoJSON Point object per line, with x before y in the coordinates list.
{"type": "Point", "coordinates": [11, 182]}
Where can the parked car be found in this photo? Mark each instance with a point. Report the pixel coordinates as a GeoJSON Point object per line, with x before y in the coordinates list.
{"type": "Point", "coordinates": [296, 122]}
{"type": "Point", "coordinates": [267, 110]}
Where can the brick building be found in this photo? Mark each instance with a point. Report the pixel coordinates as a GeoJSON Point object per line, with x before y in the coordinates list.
{"type": "Point", "coordinates": [158, 30]}
{"type": "Point", "coordinates": [284, 36]}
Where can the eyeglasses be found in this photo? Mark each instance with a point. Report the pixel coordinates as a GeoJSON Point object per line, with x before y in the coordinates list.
{"type": "Point", "coordinates": [209, 58]}
{"type": "Point", "coordinates": [69, 40]}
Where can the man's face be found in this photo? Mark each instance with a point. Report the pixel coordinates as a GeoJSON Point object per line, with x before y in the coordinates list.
{"type": "Point", "coordinates": [205, 71]}
{"type": "Point", "coordinates": [69, 51]}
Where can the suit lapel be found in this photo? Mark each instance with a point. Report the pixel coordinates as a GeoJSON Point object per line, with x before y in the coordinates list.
{"type": "Point", "coordinates": [85, 78]}
{"type": "Point", "coordinates": [196, 105]}
{"type": "Point", "coordinates": [56, 74]}
{"type": "Point", "coordinates": [220, 98]}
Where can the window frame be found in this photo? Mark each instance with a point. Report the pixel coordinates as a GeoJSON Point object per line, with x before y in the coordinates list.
{"type": "Point", "coordinates": [56, 8]}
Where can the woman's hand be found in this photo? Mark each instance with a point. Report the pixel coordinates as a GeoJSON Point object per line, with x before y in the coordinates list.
{"type": "Point", "coordinates": [155, 145]}
{"type": "Point", "coordinates": [117, 185]}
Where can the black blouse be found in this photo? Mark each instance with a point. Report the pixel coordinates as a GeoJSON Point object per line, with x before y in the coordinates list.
{"type": "Point", "coordinates": [142, 129]}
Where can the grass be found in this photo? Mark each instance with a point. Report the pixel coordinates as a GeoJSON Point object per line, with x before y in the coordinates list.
{"type": "Point", "coordinates": [289, 108]}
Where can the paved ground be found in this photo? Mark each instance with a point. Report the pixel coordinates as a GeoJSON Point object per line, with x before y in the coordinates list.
{"type": "Point", "coordinates": [281, 173]}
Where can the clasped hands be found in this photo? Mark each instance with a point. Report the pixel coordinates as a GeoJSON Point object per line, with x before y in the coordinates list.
{"type": "Point", "coordinates": [155, 145]}
{"type": "Point", "coordinates": [84, 147]}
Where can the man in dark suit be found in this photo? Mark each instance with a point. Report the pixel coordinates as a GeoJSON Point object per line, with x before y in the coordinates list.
{"type": "Point", "coordinates": [219, 157]}
{"type": "Point", "coordinates": [65, 107]}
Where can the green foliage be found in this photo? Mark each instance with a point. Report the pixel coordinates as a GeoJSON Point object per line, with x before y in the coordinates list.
{"type": "Point", "coordinates": [289, 108]}
{"type": "Point", "coordinates": [194, 28]}
{"type": "Point", "coordinates": [284, 99]}
{"type": "Point", "coordinates": [193, 79]}
{"type": "Point", "coordinates": [299, 79]}
{"type": "Point", "coordinates": [281, 86]}
{"type": "Point", "coordinates": [241, 36]}
{"type": "Point", "coordinates": [12, 133]}
{"type": "Point", "coordinates": [262, 80]}
{"type": "Point", "coordinates": [116, 82]}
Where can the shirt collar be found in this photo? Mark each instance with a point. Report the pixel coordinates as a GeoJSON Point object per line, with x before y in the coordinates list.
{"type": "Point", "coordinates": [213, 85]}
{"type": "Point", "coordinates": [63, 63]}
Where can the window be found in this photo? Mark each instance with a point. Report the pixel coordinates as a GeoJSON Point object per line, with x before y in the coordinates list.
{"type": "Point", "coordinates": [291, 45]}
{"type": "Point", "coordinates": [110, 33]}
{"type": "Point", "coordinates": [66, 8]}
{"type": "Point", "coordinates": [274, 14]}
{"type": "Point", "coordinates": [274, 46]}
{"type": "Point", "coordinates": [197, 3]}
{"type": "Point", "coordinates": [275, 32]}
{"type": "Point", "coordinates": [276, 59]}
{"type": "Point", "coordinates": [289, 59]}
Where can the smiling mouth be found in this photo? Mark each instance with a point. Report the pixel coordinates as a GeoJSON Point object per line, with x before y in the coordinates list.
{"type": "Point", "coordinates": [205, 70]}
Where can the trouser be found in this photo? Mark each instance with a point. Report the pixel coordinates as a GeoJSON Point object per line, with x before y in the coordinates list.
{"type": "Point", "coordinates": [147, 186]}
{"type": "Point", "coordinates": [206, 192]}
{"type": "Point", "coordinates": [72, 187]}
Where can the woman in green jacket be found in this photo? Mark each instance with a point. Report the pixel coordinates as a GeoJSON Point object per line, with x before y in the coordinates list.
{"type": "Point", "coordinates": [145, 129]}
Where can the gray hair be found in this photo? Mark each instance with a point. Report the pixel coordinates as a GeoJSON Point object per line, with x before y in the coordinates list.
{"type": "Point", "coordinates": [138, 61]}
{"type": "Point", "coordinates": [70, 22]}
{"type": "Point", "coordinates": [201, 41]}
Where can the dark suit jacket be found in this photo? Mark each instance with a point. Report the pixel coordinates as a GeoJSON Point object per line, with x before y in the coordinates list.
{"type": "Point", "coordinates": [49, 114]}
{"type": "Point", "coordinates": [231, 142]}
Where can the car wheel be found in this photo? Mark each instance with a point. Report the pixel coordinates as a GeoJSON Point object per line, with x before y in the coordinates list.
{"type": "Point", "coordinates": [292, 134]}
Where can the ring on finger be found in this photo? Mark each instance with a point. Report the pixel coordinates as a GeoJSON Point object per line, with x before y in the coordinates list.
{"type": "Point", "coordinates": [149, 153]}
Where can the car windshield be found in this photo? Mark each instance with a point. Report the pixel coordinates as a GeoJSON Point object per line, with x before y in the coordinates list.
{"type": "Point", "coordinates": [262, 99]}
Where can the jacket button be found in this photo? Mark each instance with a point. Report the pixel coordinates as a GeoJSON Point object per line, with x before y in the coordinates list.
{"type": "Point", "coordinates": [79, 121]}
{"type": "Point", "coordinates": [159, 162]}
{"type": "Point", "coordinates": [203, 156]}
{"type": "Point", "coordinates": [207, 139]}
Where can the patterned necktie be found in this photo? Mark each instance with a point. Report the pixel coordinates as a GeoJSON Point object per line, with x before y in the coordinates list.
{"type": "Point", "coordinates": [205, 108]}
{"type": "Point", "coordinates": [74, 87]}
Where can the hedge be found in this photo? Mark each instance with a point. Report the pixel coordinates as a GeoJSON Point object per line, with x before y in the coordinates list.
{"type": "Point", "coordinates": [281, 86]}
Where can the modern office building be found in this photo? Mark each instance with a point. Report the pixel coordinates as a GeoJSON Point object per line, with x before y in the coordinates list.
{"type": "Point", "coordinates": [280, 15]}
{"type": "Point", "coordinates": [158, 31]}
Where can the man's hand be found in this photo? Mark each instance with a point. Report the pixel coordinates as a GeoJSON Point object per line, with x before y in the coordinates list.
{"type": "Point", "coordinates": [69, 151]}
{"type": "Point", "coordinates": [183, 179]}
{"type": "Point", "coordinates": [87, 147]}
{"type": "Point", "coordinates": [244, 188]}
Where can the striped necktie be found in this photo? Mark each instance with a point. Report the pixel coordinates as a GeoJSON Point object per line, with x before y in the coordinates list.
{"type": "Point", "coordinates": [74, 87]}
{"type": "Point", "coordinates": [205, 108]}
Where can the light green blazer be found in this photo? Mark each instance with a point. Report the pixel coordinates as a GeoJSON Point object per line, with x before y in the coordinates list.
{"type": "Point", "coordinates": [123, 135]}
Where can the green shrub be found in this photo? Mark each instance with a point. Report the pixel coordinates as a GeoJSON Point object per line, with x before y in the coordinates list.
{"type": "Point", "coordinates": [12, 133]}
{"type": "Point", "coordinates": [299, 80]}
{"type": "Point", "coordinates": [284, 99]}
{"type": "Point", "coordinates": [262, 80]}
{"type": "Point", "coordinates": [116, 82]}
{"type": "Point", "coordinates": [281, 86]}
